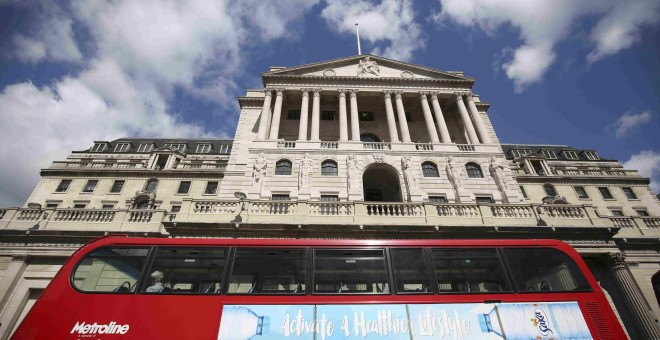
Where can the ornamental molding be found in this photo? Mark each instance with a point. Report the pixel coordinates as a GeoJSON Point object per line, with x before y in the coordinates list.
{"type": "Point", "coordinates": [368, 80]}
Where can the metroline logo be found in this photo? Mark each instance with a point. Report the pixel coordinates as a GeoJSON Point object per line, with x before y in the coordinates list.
{"type": "Point", "coordinates": [95, 328]}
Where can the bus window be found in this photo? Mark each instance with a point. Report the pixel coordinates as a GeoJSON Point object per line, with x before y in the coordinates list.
{"type": "Point", "coordinates": [410, 271]}
{"type": "Point", "coordinates": [350, 272]}
{"type": "Point", "coordinates": [544, 269]}
{"type": "Point", "coordinates": [187, 271]}
{"type": "Point", "coordinates": [469, 271]}
{"type": "Point", "coordinates": [112, 270]}
{"type": "Point", "coordinates": [268, 271]}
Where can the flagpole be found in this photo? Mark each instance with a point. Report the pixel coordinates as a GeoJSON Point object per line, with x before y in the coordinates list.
{"type": "Point", "coordinates": [357, 32]}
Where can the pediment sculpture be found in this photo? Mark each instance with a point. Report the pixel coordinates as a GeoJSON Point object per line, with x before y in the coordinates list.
{"type": "Point", "coordinates": [368, 67]}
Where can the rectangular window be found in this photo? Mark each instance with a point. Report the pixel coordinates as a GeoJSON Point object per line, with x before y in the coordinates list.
{"type": "Point", "coordinates": [175, 208]}
{"type": "Point", "coordinates": [329, 198]}
{"type": "Point", "coordinates": [99, 147]}
{"type": "Point", "coordinates": [617, 212]}
{"type": "Point", "coordinates": [187, 271]}
{"type": "Point", "coordinates": [293, 115]}
{"type": "Point", "coordinates": [184, 187]}
{"type": "Point", "coordinates": [145, 147]}
{"type": "Point", "coordinates": [268, 271]}
{"type": "Point", "coordinates": [642, 212]}
{"type": "Point", "coordinates": [108, 206]}
{"type": "Point", "coordinates": [410, 272]}
{"type": "Point", "coordinates": [225, 149]}
{"type": "Point", "coordinates": [524, 193]}
{"type": "Point", "coordinates": [469, 271]}
{"type": "Point", "coordinates": [54, 205]}
{"type": "Point", "coordinates": [437, 199]}
{"type": "Point", "coordinates": [570, 154]}
{"type": "Point", "coordinates": [63, 186]}
{"type": "Point", "coordinates": [178, 147]}
{"type": "Point", "coordinates": [211, 188]}
{"type": "Point", "coordinates": [605, 192]}
{"type": "Point", "coordinates": [366, 116]}
{"type": "Point", "coordinates": [122, 147]}
{"type": "Point", "coordinates": [544, 270]}
{"type": "Point", "coordinates": [349, 271]}
{"type": "Point", "coordinates": [581, 193]}
{"type": "Point", "coordinates": [111, 270]}
{"type": "Point", "coordinates": [328, 115]}
{"type": "Point", "coordinates": [630, 194]}
{"type": "Point", "coordinates": [549, 154]}
{"type": "Point", "coordinates": [91, 185]}
{"type": "Point", "coordinates": [484, 199]}
{"type": "Point", "coordinates": [117, 186]}
{"type": "Point", "coordinates": [203, 148]}
{"type": "Point", "coordinates": [79, 206]}
{"type": "Point", "coordinates": [520, 153]}
{"type": "Point", "coordinates": [280, 197]}
{"type": "Point", "coordinates": [591, 155]}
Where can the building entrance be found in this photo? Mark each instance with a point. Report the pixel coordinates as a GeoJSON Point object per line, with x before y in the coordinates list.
{"type": "Point", "coordinates": [381, 184]}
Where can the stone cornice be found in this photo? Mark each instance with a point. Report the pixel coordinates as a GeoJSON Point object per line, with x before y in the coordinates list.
{"type": "Point", "coordinates": [611, 180]}
{"type": "Point", "coordinates": [140, 173]}
{"type": "Point", "coordinates": [268, 80]}
{"type": "Point", "coordinates": [251, 102]}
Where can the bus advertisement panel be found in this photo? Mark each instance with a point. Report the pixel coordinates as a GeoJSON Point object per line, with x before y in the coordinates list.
{"type": "Point", "coordinates": [478, 321]}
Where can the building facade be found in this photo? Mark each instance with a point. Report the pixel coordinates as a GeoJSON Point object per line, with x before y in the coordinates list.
{"type": "Point", "coordinates": [358, 147]}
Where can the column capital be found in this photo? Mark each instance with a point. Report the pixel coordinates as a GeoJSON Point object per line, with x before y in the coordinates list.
{"type": "Point", "coordinates": [278, 90]}
{"type": "Point", "coordinates": [353, 92]}
{"type": "Point", "coordinates": [306, 90]}
{"type": "Point", "coordinates": [469, 95]}
{"type": "Point", "coordinates": [616, 260]}
{"type": "Point", "coordinates": [397, 94]}
{"type": "Point", "coordinates": [388, 93]}
{"type": "Point", "coordinates": [341, 93]}
{"type": "Point", "coordinates": [268, 91]}
{"type": "Point", "coordinates": [317, 92]}
{"type": "Point", "coordinates": [434, 95]}
{"type": "Point", "coordinates": [305, 94]}
{"type": "Point", "coordinates": [461, 94]}
{"type": "Point", "coordinates": [423, 94]}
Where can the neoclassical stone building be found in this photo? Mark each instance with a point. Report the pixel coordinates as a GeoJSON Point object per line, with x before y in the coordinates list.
{"type": "Point", "coordinates": [358, 147]}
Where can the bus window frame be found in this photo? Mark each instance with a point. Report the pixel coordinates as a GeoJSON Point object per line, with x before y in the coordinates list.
{"type": "Point", "coordinates": [388, 273]}
{"type": "Point", "coordinates": [427, 266]}
{"type": "Point", "coordinates": [138, 283]}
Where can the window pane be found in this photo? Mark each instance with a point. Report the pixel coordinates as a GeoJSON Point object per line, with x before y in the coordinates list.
{"type": "Point", "coordinates": [474, 171]}
{"type": "Point", "coordinates": [151, 185]}
{"type": "Point", "coordinates": [114, 270]}
{"type": "Point", "coordinates": [484, 199]}
{"type": "Point", "coordinates": [630, 194]}
{"type": "Point", "coordinates": [117, 186]}
{"type": "Point", "coordinates": [187, 270]}
{"type": "Point", "coordinates": [437, 199]}
{"type": "Point", "coordinates": [430, 170]}
{"type": "Point", "coordinates": [616, 212]}
{"type": "Point", "coordinates": [581, 193]}
{"type": "Point", "coordinates": [63, 186]}
{"type": "Point", "coordinates": [605, 192]}
{"type": "Point", "coordinates": [268, 271]}
{"type": "Point", "coordinates": [211, 188]}
{"type": "Point", "coordinates": [79, 206]}
{"type": "Point", "coordinates": [283, 167]}
{"type": "Point", "coordinates": [350, 271]}
{"type": "Point", "coordinates": [544, 270]}
{"type": "Point", "coordinates": [184, 187]}
{"type": "Point", "coordinates": [469, 271]}
{"type": "Point", "coordinates": [329, 168]}
{"type": "Point", "coordinates": [550, 190]}
{"type": "Point", "coordinates": [642, 212]}
{"type": "Point", "coordinates": [329, 198]}
{"type": "Point", "coordinates": [410, 272]}
{"type": "Point", "coordinates": [91, 185]}
{"type": "Point", "coordinates": [366, 116]}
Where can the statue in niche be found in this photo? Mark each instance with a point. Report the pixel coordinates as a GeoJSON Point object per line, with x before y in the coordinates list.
{"type": "Point", "coordinates": [497, 171]}
{"type": "Point", "coordinates": [454, 173]}
{"type": "Point", "coordinates": [259, 170]}
{"type": "Point", "coordinates": [351, 163]}
{"type": "Point", "coordinates": [368, 66]}
{"type": "Point", "coordinates": [409, 172]}
{"type": "Point", "coordinates": [305, 173]}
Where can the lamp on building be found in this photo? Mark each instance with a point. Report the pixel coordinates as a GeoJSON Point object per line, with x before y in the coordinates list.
{"type": "Point", "coordinates": [241, 197]}
{"type": "Point", "coordinates": [545, 200]}
{"type": "Point", "coordinates": [33, 205]}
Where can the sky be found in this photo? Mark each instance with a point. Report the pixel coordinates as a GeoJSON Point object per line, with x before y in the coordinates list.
{"type": "Point", "coordinates": [562, 72]}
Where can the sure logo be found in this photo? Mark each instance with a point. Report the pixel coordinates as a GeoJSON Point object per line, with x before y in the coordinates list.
{"type": "Point", "coordinates": [95, 328]}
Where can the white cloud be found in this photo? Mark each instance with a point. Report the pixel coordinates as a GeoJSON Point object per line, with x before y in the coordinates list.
{"type": "Point", "coordinates": [141, 52]}
{"type": "Point", "coordinates": [648, 164]}
{"type": "Point", "coordinates": [543, 24]}
{"type": "Point", "coordinates": [629, 121]}
{"type": "Point", "coordinates": [391, 22]}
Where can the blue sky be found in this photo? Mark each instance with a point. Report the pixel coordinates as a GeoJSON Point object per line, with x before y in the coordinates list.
{"type": "Point", "coordinates": [581, 73]}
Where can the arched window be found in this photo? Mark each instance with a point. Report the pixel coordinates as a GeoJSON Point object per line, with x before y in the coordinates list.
{"type": "Point", "coordinates": [151, 185]}
{"type": "Point", "coordinates": [369, 138]}
{"type": "Point", "coordinates": [283, 167]}
{"type": "Point", "coordinates": [429, 169]}
{"type": "Point", "coordinates": [550, 190]}
{"type": "Point", "coordinates": [329, 168]}
{"type": "Point", "coordinates": [474, 170]}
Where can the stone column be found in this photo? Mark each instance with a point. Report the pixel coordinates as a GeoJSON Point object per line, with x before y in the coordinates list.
{"type": "Point", "coordinates": [391, 123]}
{"type": "Point", "coordinates": [277, 114]}
{"type": "Point", "coordinates": [440, 119]}
{"type": "Point", "coordinates": [639, 309]}
{"type": "Point", "coordinates": [481, 127]}
{"type": "Point", "coordinates": [403, 123]}
{"type": "Point", "coordinates": [467, 122]}
{"type": "Point", "coordinates": [304, 108]}
{"type": "Point", "coordinates": [343, 122]}
{"type": "Point", "coordinates": [316, 112]}
{"type": "Point", "coordinates": [355, 120]}
{"type": "Point", "coordinates": [427, 117]}
{"type": "Point", "coordinates": [265, 113]}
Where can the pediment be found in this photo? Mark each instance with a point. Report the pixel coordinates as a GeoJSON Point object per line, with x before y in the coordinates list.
{"type": "Point", "coordinates": [366, 66]}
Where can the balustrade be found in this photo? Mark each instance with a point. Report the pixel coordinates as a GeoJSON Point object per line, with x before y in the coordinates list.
{"type": "Point", "coordinates": [512, 211]}
{"type": "Point", "coordinates": [29, 215]}
{"type": "Point", "coordinates": [140, 216]}
{"type": "Point", "coordinates": [215, 207]}
{"type": "Point", "coordinates": [273, 208]}
{"type": "Point", "coordinates": [329, 145]}
{"type": "Point", "coordinates": [286, 145]}
{"type": "Point", "coordinates": [376, 146]}
{"type": "Point", "coordinates": [622, 222]}
{"type": "Point", "coordinates": [465, 147]}
{"type": "Point", "coordinates": [457, 210]}
{"type": "Point", "coordinates": [82, 215]}
{"type": "Point", "coordinates": [563, 211]}
{"type": "Point", "coordinates": [394, 209]}
{"type": "Point", "coordinates": [330, 209]}
{"type": "Point", "coordinates": [652, 222]}
{"type": "Point", "coordinates": [424, 146]}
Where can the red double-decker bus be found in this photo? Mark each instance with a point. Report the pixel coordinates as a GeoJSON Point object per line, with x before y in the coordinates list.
{"type": "Point", "coordinates": [120, 287]}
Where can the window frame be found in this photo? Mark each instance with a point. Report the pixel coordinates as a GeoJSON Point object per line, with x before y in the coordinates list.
{"type": "Point", "coordinates": [629, 193]}
{"type": "Point", "coordinates": [577, 193]}
{"type": "Point", "coordinates": [151, 180]}
{"type": "Point", "coordinates": [115, 183]}
{"type": "Point", "coordinates": [570, 154]}
{"type": "Point", "coordinates": [122, 147]}
{"type": "Point", "coordinates": [204, 148]}
{"type": "Point", "coordinates": [483, 198]}
{"type": "Point", "coordinates": [60, 188]}
{"type": "Point", "coordinates": [99, 147]}
{"type": "Point", "coordinates": [430, 170]}
{"type": "Point", "coordinates": [215, 190]}
{"type": "Point", "coordinates": [549, 154]}
{"type": "Point", "coordinates": [330, 168]}
{"type": "Point", "coordinates": [475, 171]}
{"type": "Point", "coordinates": [517, 153]}
{"type": "Point", "coordinates": [549, 187]}
{"type": "Point", "coordinates": [94, 184]}
{"type": "Point", "coordinates": [438, 199]}
{"type": "Point", "coordinates": [602, 190]}
{"type": "Point", "coordinates": [184, 184]}
{"type": "Point", "coordinates": [280, 165]}
{"type": "Point", "coordinates": [642, 212]}
{"type": "Point", "coordinates": [617, 212]}
{"type": "Point", "coordinates": [145, 147]}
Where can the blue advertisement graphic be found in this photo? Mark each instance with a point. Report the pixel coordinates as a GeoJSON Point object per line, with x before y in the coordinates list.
{"type": "Point", "coordinates": [479, 321]}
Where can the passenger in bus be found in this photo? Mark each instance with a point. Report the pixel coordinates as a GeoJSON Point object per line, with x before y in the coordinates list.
{"type": "Point", "coordinates": [156, 282]}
